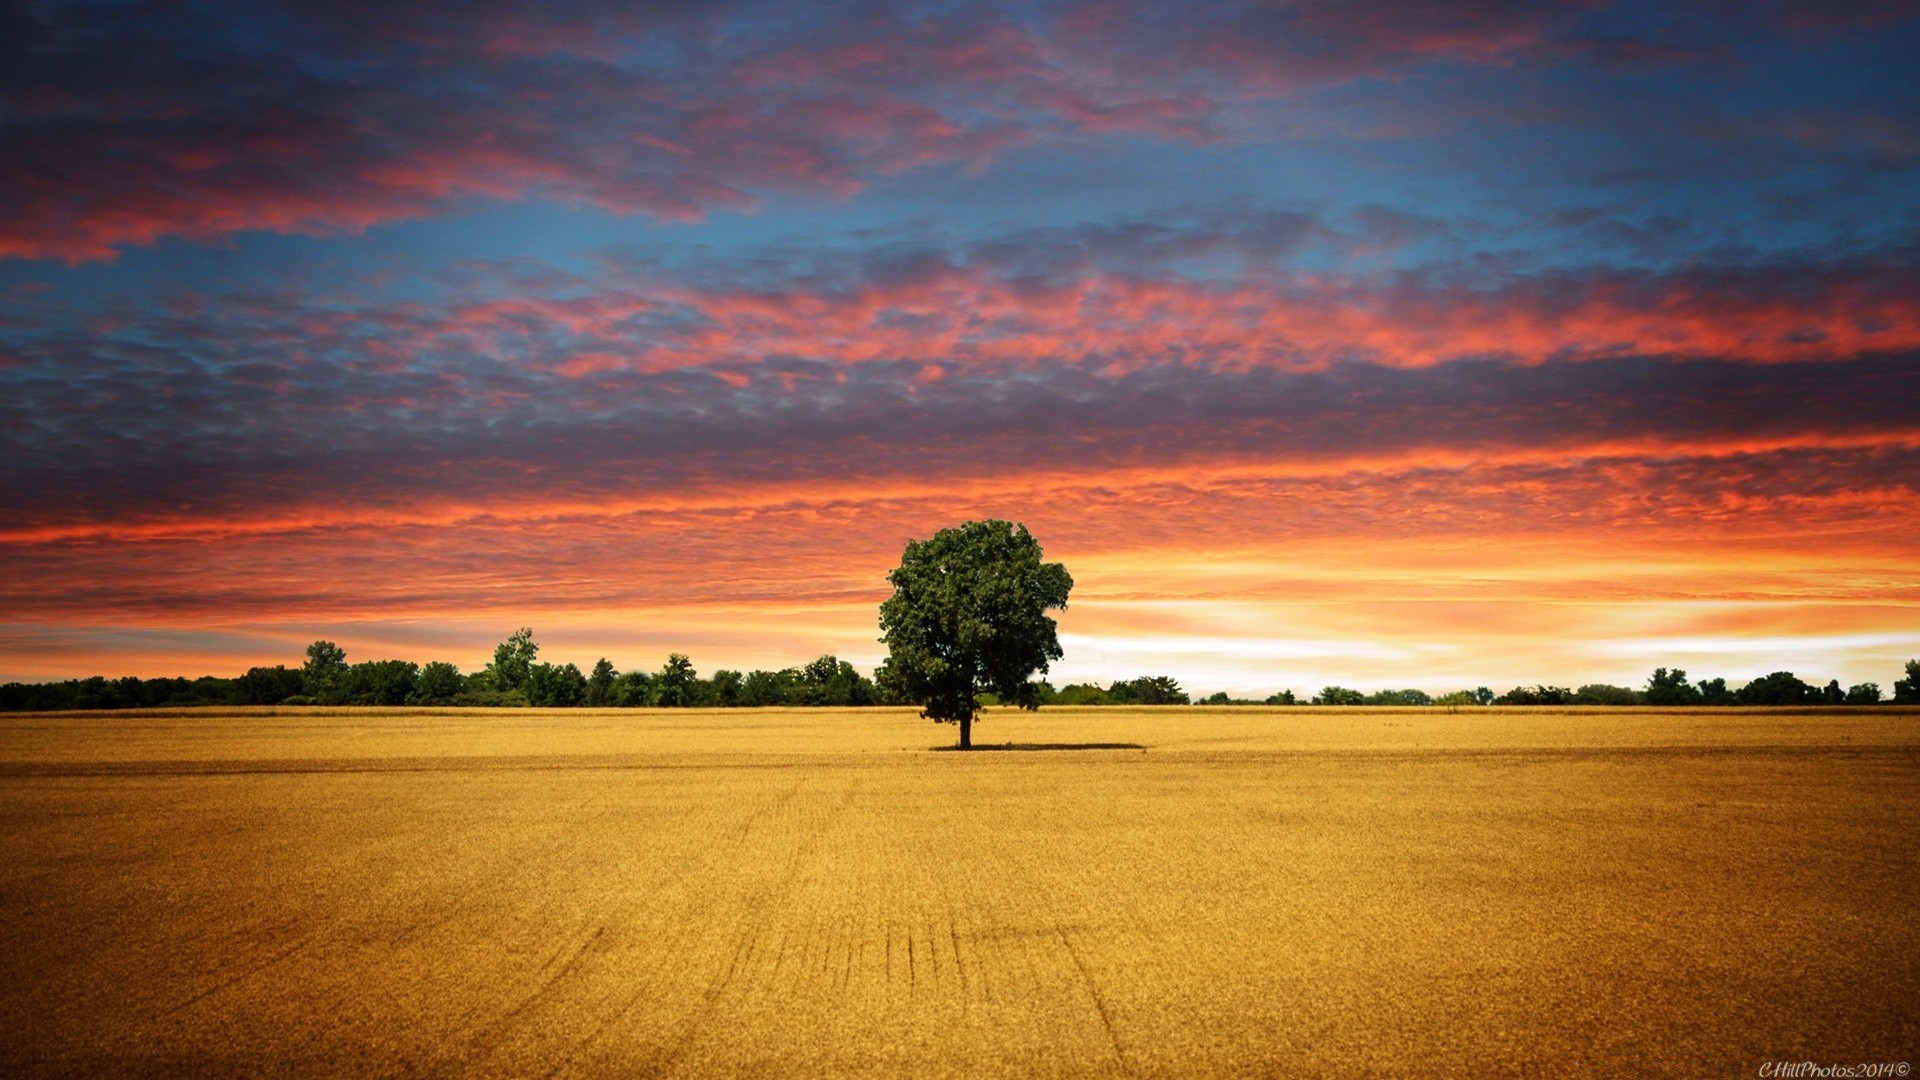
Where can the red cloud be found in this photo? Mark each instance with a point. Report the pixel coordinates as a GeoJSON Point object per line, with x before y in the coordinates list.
{"type": "Point", "coordinates": [972, 314]}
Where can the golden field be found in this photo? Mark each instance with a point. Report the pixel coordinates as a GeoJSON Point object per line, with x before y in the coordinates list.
{"type": "Point", "coordinates": [1217, 891]}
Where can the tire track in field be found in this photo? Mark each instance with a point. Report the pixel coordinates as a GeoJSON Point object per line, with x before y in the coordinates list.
{"type": "Point", "coordinates": [1093, 993]}
{"type": "Point", "coordinates": [1034, 929]}
{"type": "Point", "coordinates": [486, 1036]}
{"type": "Point", "coordinates": [331, 927]}
{"type": "Point", "coordinates": [238, 977]}
{"type": "Point", "coordinates": [505, 867]}
{"type": "Point", "coordinates": [749, 941]}
{"type": "Point", "coordinates": [506, 1024]}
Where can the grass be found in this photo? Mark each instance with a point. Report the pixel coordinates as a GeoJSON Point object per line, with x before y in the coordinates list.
{"type": "Point", "coordinates": [1222, 891]}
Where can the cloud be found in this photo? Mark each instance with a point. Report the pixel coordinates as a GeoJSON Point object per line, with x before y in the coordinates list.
{"type": "Point", "coordinates": [216, 408]}
{"type": "Point", "coordinates": [1280, 321]}
{"type": "Point", "coordinates": [1523, 566]}
{"type": "Point", "coordinates": [129, 124]}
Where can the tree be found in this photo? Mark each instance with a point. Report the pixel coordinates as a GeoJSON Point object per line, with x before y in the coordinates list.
{"type": "Point", "coordinates": [555, 686]}
{"type": "Point", "coordinates": [600, 683]}
{"type": "Point", "coordinates": [266, 685]}
{"type": "Point", "coordinates": [762, 688]}
{"type": "Point", "coordinates": [1081, 694]}
{"type": "Point", "coordinates": [1604, 694]}
{"type": "Point", "coordinates": [674, 686]}
{"type": "Point", "coordinates": [630, 690]}
{"type": "Point", "coordinates": [727, 688]}
{"type": "Point", "coordinates": [1400, 697]}
{"type": "Point", "coordinates": [1907, 691]}
{"type": "Point", "coordinates": [513, 660]}
{"type": "Point", "coordinates": [828, 680]}
{"type": "Point", "coordinates": [1147, 690]}
{"type": "Point", "coordinates": [968, 616]}
{"type": "Point", "coordinates": [1535, 695]}
{"type": "Point", "coordinates": [1865, 693]}
{"type": "Point", "coordinates": [1779, 688]}
{"type": "Point", "coordinates": [1339, 695]}
{"type": "Point", "coordinates": [325, 669]}
{"type": "Point", "coordinates": [1715, 692]}
{"type": "Point", "coordinates": [1284, 697]}
{"type": "Point", "coordinates": [379, 682]}
{"type": "Point", "coordinates": [1669, 688]}
{"type": "Point", "coordinates": [440, 683]}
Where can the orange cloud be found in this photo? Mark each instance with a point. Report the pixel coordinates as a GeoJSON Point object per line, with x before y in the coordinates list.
{"type": "Point", "coordinates": [1414, 574]}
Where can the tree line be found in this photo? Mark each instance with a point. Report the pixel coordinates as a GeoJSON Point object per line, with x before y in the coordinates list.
{"type": "Point", "coordinates": [516, 677]}
{"type": "Point", "coordinates": [1666, 688]}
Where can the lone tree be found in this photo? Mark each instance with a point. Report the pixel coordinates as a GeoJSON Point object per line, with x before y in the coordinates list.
{"type": "Point", "coordinates": [968, 617]}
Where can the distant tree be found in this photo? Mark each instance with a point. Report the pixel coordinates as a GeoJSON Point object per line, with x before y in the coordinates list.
{"type": "Point", "coordinates": [1284, 697]}
{"type": "Point", "coordinates": [675, 686]}
{"type": "Point", "coordinates": [378, 682]}
{"type": "Point", "coordinates": [324, 671]}
{"type": "Point", "coordinates": [513, 660]}
{"type": "Point", "coordinates": [631, 690]}
{"type": "Point", "coordinates": [1715, 692]}
{"type": "Point", "coordinates": [1147, 690]}
{"type": "Point", "coordinates": [1670, 688]}
{"type": "Point", "coordinates": [1482, 696]}
{"type": "Point", "coordinates": [130, 692]}
{"type": "Point", "coordinates": [1603, 694]}
{"type": "Point", "coordinates": [1864, 694]}
{"type": "Point", "coordinates": [728, 688]}
{"type": "Point", "coordinates": [764, 688]}
{"type": "Point", "coordinates": [1779, 688]}
{"type": "Point", "coordinates": [1457, 699]}
{"type": "Point", "coordinates": [1831, 694]}
{"type": "Point", "coordinates": [1907, 691]}
{"type": "Point", "coordinates": [439, 684]}
{"type": "Point", "coordinates": [1080, 694]}
{"type": "Point", "coordinates": [555, 686]}
{"type": "Point", "coordinates": [968, 616]}
{"type": "Point", "coordinates": [1224, 698]}
{"type": "Point", "coordinates": [97, 692]}
{"type": "Point", "coordinates": [1339, 695]}
{"type": "Point", "coordinates": [1399, 697]}
{"type": "Point", "coordinates": [1535, 695]}
{"type": "Point", "coordinates": [832, 681]}
{"type": "Point", "coordinates": [259, 686]}
{"type": "Point", "coordinates": [600, 683]}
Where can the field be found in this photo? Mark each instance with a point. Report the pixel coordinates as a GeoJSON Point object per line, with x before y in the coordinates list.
{"type": "Point", "coordinates": [1155, 892]}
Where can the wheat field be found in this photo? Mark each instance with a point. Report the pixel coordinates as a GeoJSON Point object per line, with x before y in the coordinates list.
{"type": "Point", "coordinates": [1150, 892]}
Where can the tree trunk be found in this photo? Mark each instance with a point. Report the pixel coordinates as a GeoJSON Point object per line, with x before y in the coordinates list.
{"type": "Point", "coordinates": [966, 733]}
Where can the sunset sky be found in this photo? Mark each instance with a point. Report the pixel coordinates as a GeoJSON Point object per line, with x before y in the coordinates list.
{"type": "Point", "coordinates": [1415, 345]}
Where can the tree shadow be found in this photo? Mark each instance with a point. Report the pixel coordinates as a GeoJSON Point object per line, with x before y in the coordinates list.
{"type": "Point", "coordinates": [977, 747]}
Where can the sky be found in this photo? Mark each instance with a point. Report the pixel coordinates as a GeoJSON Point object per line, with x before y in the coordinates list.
{"type": "Point", "coordinates": [1424, 345]}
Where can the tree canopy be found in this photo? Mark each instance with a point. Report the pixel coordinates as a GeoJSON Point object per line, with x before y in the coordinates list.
{"type": "Point", "coordinates": [968, 616]}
